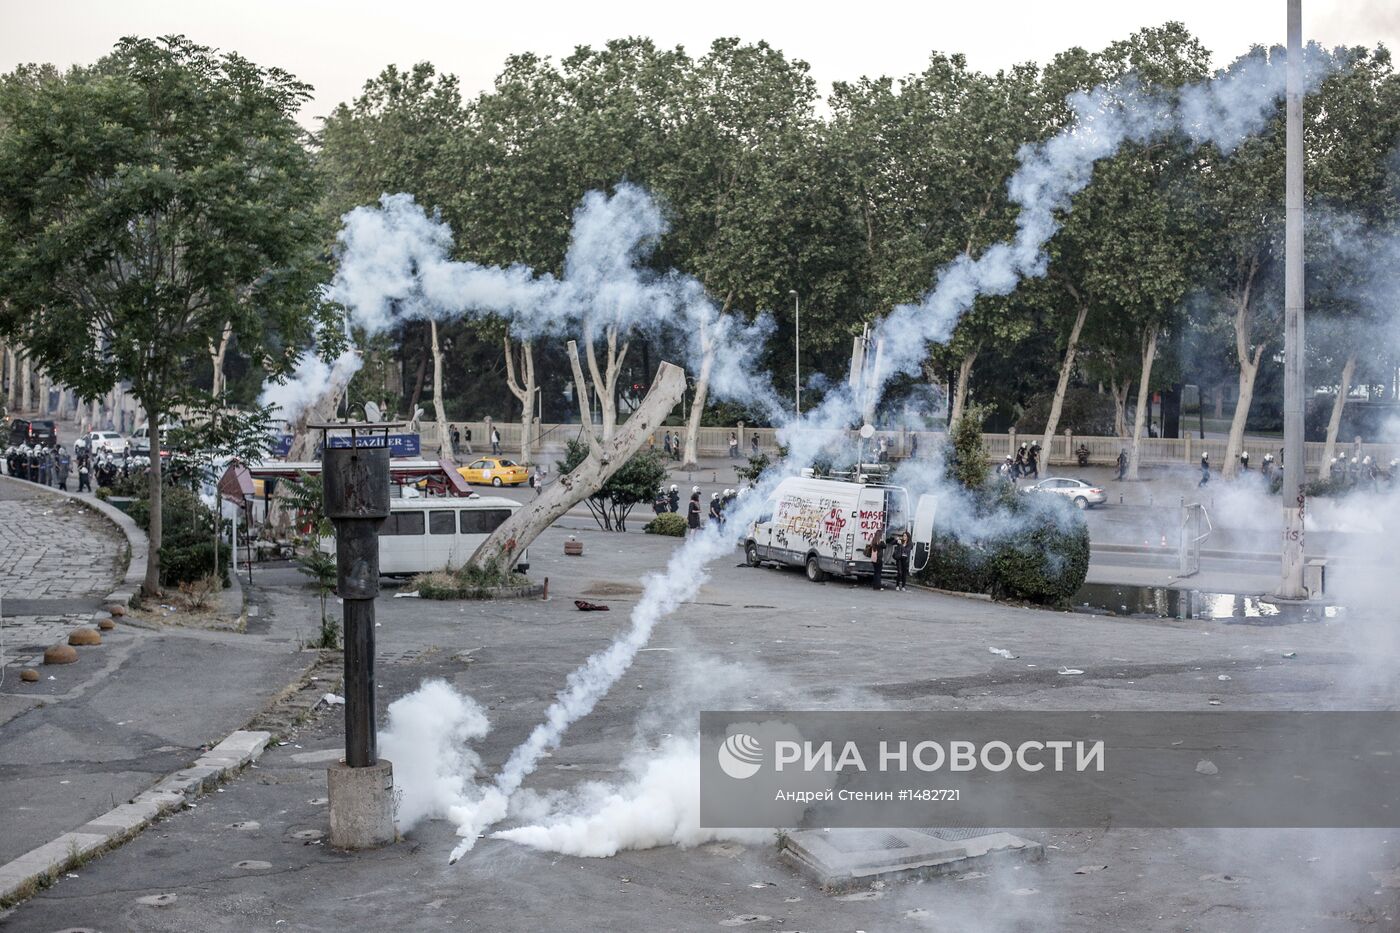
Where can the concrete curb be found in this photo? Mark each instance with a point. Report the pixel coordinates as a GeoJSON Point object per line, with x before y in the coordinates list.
{"type": "Point", "coordinates": [138, 545]}
{"type": "Point", "coordinates": [37, 868]}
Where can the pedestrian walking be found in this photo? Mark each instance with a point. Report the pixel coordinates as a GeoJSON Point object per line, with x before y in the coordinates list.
{"type": "Point", "coordinates": [753, 445]}
{"type": "Point", "coordinates": [467, 436]}
{"type": "Point", "coordinates": [1122, 463]}
{"type": "Point", "coordinates": [877, 557]}
{"type": "Point", "coordinates": [666, 444]}
{"type": "Point", "coordinates": [456, 440]}
{"type": "Point", "coordinates": [883, 448]}
{"type": "Point", "coordinates": [692, 515]}
{"type": "Point", "coordinates": [903, 546]}
{"type": "Point", "coordinates": [1033, 462]}
{"type": "Point", "coordinates": [913, 447]}
{"type": "Point", "coordinates": [733, 446]}
{"type": "Point", "coordinates": [1205, 470]}
{"type": "Point", "coordinates": [1018, 466]}
{"type": "Point", "coordinates": [495, 442]}
{"type": "Point", "coordinates": [535, 482]}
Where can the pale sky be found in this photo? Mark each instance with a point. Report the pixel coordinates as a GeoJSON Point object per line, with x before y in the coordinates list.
{"type": "Point", "coordinates": [337, 44]}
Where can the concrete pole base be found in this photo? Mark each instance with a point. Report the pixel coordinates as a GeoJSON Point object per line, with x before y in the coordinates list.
{"type": "Point", "coordinates": [361, 803]}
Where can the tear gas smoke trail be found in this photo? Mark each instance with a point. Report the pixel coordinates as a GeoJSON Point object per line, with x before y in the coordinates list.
{"type": "Point", "coordinates": [1220, 111]}
{"type": "Point", "coordinates": [312, 380]}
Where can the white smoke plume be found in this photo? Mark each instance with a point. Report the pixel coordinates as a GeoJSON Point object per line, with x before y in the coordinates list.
{"type": "Point", "coordinates": [428, 737]}
{"type": "Point", "coordinates": [602, 285]}
{"type": "Point", "coordinates": [313, 379]}
{"type": "Point", "coordinates": [395, 265]}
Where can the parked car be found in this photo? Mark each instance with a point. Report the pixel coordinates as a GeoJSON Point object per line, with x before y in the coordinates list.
{"type": "Point", "coordinates": [1082, 494]}
{"type": "Point", "coordinates": [23, 431]}
{"type": "Point", "coordinates": [498, 471]}
{"type": "Point", "coordinates": [100, 442]}
{"type": "Point", "coordinates": [141, 440]}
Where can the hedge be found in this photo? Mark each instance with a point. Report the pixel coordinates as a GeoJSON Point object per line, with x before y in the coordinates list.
{"type": "Point", "coordinates": [1037, 550]}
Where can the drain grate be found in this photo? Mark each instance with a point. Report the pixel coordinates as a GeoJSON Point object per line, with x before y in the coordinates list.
{"type": "Point", "coordinates": [956, 833]}
{"type": "Point", "coordinates": [847, 843]}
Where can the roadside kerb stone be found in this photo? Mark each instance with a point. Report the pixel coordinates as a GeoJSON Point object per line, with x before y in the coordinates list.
{"type": "Point", "coordinates": [23, 876]}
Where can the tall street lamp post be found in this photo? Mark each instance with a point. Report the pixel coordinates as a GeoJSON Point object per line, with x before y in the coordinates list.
{"type": "Point", "coordinates": [797, 349]}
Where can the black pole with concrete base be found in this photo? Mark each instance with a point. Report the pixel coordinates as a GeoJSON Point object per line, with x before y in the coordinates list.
{"type": "Point", "coordinates": [355, 493]}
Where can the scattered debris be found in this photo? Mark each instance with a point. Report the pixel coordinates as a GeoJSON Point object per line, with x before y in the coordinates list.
{"type": "Point", "coordinates": [411, 594]}
{"type": "Point", "coordinates": [1290, 654]}
{"type": "Point", "coordinates": [1024, 892]}
{"type": "Point", "coordinates": [1205, 766]}
{"type": "Point", "coordinates": [1089, 869]}
{"type": "Point", "coordinates": [331, 699]}
{"type": "Point", "coordinates": [585, 606]}
{"type": "Point", "coordinates": [1003, 653]}
{"type": "Point", "coordinates": [1070, 670]}
{"type": "Point", "coordinates": [1213, 701]}
{"type": "Point", "coordinates": [1225, 879]}
{"type": "Point", "coordinates": [1223, 677]}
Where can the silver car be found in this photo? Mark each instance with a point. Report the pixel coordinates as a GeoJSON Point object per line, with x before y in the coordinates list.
{"type": "Point", "coordinates": [1081, 493]}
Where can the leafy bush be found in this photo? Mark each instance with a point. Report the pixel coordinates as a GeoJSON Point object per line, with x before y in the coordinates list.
{"type": "Point", "coordinates": [1084, 412]}
{"type": "Point", "coordinates": [1034, 548]}
{"type": "Point", "coordinates": [668, 523]}
{"type": "Point", "coordinates": [187, 539]}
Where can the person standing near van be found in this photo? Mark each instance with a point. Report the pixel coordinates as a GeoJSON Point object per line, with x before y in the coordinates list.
{"type": "Point", "coordinates": [903, 546]}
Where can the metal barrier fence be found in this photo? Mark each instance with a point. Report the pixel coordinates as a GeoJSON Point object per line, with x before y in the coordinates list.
{"type": "Point", "coordinates": [1103, 451]}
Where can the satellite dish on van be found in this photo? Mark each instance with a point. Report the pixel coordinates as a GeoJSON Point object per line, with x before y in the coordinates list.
{"type": "Point", "coordinates": [867, 431]}
{"type": "Point", "coordinates": [372, 413]}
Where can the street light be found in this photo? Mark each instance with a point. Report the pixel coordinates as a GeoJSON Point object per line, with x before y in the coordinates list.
{"type": "Point", "coordinates": [797, 349]}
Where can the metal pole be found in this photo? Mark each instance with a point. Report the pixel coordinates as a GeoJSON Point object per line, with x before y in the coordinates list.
{"type": "Point", "coordinates": [797, 351]}
{"type": "Point", "coordinates": [1291, 582]}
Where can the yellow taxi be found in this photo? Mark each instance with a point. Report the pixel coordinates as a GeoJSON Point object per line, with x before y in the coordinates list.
{"type": "Point", "coordinates": [498, 471]}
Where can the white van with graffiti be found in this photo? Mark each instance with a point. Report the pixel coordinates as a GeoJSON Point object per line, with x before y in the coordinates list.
{"type": "Point", "coordinates": [826, 525]}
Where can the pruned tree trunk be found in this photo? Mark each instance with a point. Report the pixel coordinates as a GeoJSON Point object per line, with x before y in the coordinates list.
{"type": "Point", "coordinates": [1149, 353]}
{"type": "Point", "coordinates": [150, 586]}
{"type": "Point", "coordinates": [605, 379]}
{"type": "Point", "coordinates": [522, 390]}
{"type": "Point", "coordinates": [1334, 423]}
{"type": "Point", "coordinates": [444, 439]}
{"type": "Point", "coordinates": [25, 398]}
{"type": "Point", "coordinates": [217, 355]}
{"type": "Point", "coordinates": [960, 387]}
{"type": "Point", "coordinates": [689, 461]}
{"type": "Point", "coordinates": [12, 368]}
{"type": "Point", "coordinates": [1057, 403]}
{"type": "Point", "coordinates": [503, 548]}
{"type": "Point", "coordinates": [303, 446]}
{"type": "Point", "coordinates": [1249, 369]}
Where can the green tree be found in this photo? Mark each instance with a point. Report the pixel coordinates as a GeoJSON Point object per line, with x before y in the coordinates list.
{"type": "Point", "coordinates": [147, 204]}
{"type": "Point", "coordinates": [636, 482]}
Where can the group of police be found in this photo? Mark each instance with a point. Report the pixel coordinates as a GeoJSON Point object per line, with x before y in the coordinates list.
{"type": "Point", "coordinates": [51, 466]}
{"type": "Point", "coordinates": [1361, 471]}
{"type": "Point", "coordinates": [669, 500]}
